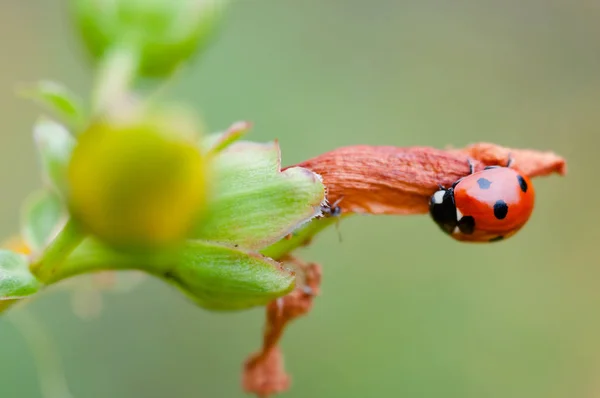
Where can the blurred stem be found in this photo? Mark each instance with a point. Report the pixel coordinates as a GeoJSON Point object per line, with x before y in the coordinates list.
{"type": "Point", "coordinates": [115, 75]}
{"type": "Point", "coordinates": [91, 256]}
{"type": "Point", "coordinates": [48, 264]}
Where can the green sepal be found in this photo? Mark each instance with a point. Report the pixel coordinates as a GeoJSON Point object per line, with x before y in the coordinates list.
{"type": "Point", "coordinates": [225, 278]}
{"type": "Point", "coordinates": [58, 99]}
{"type": "Point", "coordinates": [55, 146]}
{"type": "Point", "coordinates": [43, 212]}
{"type": "Point", "coordinates": [254, 203]}
{"type": "Point", "coordinates": [16, 281]}
{"type": "Point", "coordinates": [216, 142]}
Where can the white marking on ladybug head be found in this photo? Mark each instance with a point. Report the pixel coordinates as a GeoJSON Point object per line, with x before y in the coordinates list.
{"type": "Point", "coordinates": [459, 215]}
{"type": "Point", "coordinates": [438, 197]}
{"type": "Point", "coordinates": [456, 230]}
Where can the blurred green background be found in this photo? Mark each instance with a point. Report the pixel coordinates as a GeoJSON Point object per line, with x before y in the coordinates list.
{"type": "Point", "coordinates": [405, 311]}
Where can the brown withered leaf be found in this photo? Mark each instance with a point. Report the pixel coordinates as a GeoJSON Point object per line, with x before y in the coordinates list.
{"type": "Point", "coordinates": [264, 373]}
{"type": "Point", "coordinates": [400, 180]}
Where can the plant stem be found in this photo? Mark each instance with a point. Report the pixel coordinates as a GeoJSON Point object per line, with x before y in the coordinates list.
{"type": "Point", "coordinates": [115, 75]}
{"type": "Point", "coordinates": [50, 261]}
{"type": "Point", "coordinates": [92, 256]}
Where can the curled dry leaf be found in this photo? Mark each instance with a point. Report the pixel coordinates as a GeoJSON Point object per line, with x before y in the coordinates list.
{"type": "Point", "coordinates": [264, 373]}
{"type": "Point", "coordinates": [400, 180]}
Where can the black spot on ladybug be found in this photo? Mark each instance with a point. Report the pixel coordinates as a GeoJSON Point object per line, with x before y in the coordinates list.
{"type": "Point", "coordinates": [497, 238]}
{"type": "Point", "coordinates": [466, 225]}
{"type": "Point", "coordinates": [500, 209]}
{"type": "Point", "coordinates": [484, 183]}
{"type": "Point", "coordinates": [522, 183]}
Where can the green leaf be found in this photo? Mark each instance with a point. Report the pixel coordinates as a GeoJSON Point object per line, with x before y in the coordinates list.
{"type": "Point", "coordinates": [42, 215]}
{"type": "Point", "coordinates": [58, 99]}
{"type": "Point", "coordinates": [224, 278]}
{"type": "Point", "coordinates": [254, 203]}
{"type": "Point", "coordinates": [55, 146]}
{"type": "Point", "coordinates": [217, 142]}
{"type": "Point", "coordinates": [15, 279]}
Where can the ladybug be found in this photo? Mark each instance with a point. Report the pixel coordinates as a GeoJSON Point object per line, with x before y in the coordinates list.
{"type": "Point", "coordinates": [485, 206]}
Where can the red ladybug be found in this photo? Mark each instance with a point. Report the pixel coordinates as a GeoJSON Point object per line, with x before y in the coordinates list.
{"type": "Point", "coordinates": [487, 206]}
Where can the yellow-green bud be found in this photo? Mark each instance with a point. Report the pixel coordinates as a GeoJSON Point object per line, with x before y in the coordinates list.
{"type": "Point", "coordinates": [163, 33]}
{"type": "Point", "coordinates": [138, 181]}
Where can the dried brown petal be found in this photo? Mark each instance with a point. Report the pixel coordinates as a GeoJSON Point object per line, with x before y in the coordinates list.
{"type": "Point", "coordinates": [264, 372]}
{"type": "Point", "coordinates": [396, 180]}
{"type": "Point", "coordinates": [530, 162]}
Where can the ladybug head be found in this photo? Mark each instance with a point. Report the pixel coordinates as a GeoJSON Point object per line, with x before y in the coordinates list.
{"type": "Point", "coordinates": [443, 209]}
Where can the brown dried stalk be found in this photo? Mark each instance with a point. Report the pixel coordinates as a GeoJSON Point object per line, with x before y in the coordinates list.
{"type": "Point", "coordinates": [264, 373]}
{"type": "Point", "coordinates": [393, 180]}
{"type": "Point", "coordinates": [377, 180]}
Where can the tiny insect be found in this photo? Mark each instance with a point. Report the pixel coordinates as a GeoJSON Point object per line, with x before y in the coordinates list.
{"type": "Point", "coordinates": [333, 210]}
{"type": "Point", "coordinates": [486, 206]}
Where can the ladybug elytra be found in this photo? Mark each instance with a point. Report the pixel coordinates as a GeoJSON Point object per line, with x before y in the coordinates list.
{"type": "Point", "coordinates": [486, 206]}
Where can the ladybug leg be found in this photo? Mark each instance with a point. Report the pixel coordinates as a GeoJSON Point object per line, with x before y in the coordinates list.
{"type": "Point", "coordinates": [471, 171]}
{"type": "Point", "coordinates": [510, 161]}
{"type": "Point", "coordinates": [471, 165]}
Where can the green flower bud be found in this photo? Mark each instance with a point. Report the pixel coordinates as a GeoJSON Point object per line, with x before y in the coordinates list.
{"type": "Point", "coordinates": [164, 33]}
{"type": "Point", "coordinates": [138, 181]}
